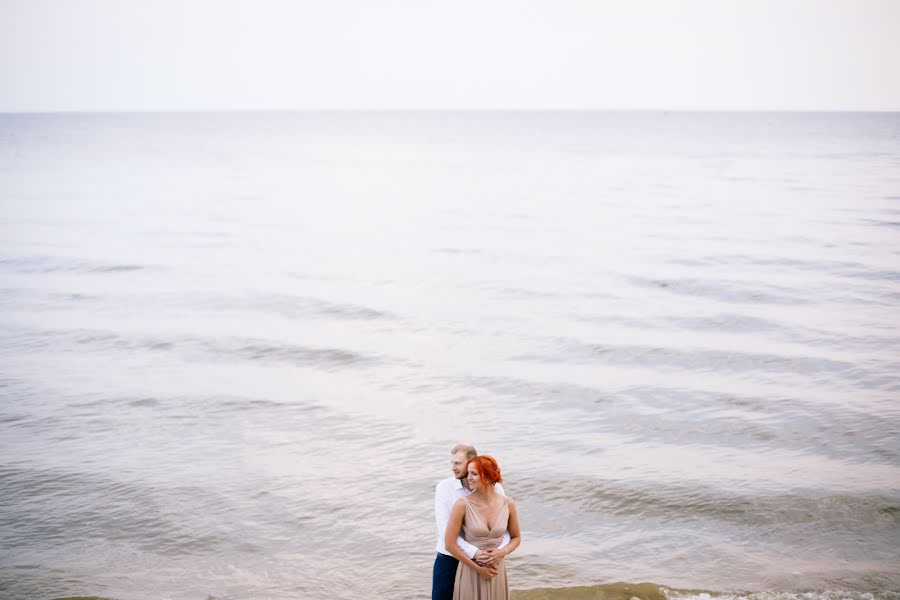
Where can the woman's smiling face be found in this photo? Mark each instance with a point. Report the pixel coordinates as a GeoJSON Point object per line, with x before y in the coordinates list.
{"type": "Point", "coordinates": [473, 477]}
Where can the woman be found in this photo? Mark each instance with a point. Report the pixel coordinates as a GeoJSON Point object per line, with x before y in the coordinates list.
{"type": "Point", "coordinates": [483, 516]}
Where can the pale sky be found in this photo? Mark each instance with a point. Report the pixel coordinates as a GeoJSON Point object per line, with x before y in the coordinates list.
{"type": "Point", "coordinates": [463, 54]}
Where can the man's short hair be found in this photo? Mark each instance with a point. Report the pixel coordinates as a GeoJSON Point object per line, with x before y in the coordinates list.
{"type": "Point", "coordinates": [469, 450]}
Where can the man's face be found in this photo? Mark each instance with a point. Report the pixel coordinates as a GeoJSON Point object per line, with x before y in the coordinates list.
{"type": "Point", "coordinates": [458, 463]}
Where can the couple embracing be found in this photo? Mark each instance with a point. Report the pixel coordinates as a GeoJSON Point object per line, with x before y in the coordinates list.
{"type": "Point", "coordinates": [477, 527]}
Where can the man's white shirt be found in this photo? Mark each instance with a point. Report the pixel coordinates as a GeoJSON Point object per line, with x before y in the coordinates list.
{"type": "Point", "coordinates": [446, 493]}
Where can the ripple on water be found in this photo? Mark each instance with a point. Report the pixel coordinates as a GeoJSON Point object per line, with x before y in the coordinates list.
{"type": "Point", "coordinates": [725, 291]}
{"type": "Point", "coordinates": [705, 359]}
{"type": "Point", "coordinates": [57, 264]}
{"type": "Point", "coordinates": [208, 348]}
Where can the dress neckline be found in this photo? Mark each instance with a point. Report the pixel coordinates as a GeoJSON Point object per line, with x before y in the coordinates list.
{"type": "Point", "coordinates": [483, 519]}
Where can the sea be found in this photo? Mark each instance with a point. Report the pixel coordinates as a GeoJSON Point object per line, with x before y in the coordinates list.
{"type": "Point", "coordinates": [236, 349]}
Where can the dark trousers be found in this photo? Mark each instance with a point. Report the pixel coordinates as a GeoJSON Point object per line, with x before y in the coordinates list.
{"type": "Point", "coordinates": [443, 577]}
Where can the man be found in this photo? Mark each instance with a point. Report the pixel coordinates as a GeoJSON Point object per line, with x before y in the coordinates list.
{"type": "Point", "coordinates": [446, 493]}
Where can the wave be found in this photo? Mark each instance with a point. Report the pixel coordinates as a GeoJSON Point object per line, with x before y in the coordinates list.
{"type": "Point", "coordinates": [759, 293]}
{"type": "Point", "coordinates": [551, 395]}
{"type": "Point", "coordinates": [778, 514]}
{"type": "Point", "coordinates": [225, 348]}
{"type": "Point", "coordinates": [730, 323]}
{"type": "Point", "coordinates": [295, 307]}
{"type": "Point", "coordinates": [732, 292]}
{"type": "Point", "coordinates": [57, 505]}
{"type": "Point", "coordinates": [53, 264]}
{"type": "Point", "coordinates": [793, 264]}
{"type": "Point", "coordinates": [745, 324]}
{"type": "Point", "coordinates": [279, 305]}
{"type": "Point", "coordinates": [697, 359]}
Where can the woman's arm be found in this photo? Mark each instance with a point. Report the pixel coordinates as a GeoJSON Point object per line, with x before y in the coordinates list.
{"type": "Point", "coordinates": [515, 534]}
{"type": "Point", "coordinates": [453, 530]}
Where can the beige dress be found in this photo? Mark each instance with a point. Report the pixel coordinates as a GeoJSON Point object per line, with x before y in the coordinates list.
{"type": "Point", "coordinates": [469, 584]}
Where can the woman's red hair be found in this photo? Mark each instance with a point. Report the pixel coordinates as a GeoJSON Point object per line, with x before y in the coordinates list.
{"type": "Point", "coordinates": [488, 469]}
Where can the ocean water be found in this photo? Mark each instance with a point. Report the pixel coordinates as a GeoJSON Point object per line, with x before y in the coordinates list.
{"type": "Point", "coordinates": [235, 350]}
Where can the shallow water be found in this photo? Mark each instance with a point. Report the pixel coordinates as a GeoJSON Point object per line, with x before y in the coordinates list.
{"type": "Point", "coordinates": [235, 350]}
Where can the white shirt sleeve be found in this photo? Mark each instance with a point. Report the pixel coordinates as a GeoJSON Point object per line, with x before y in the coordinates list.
{"type": "Point", "coordinates": [506, 538]}
{"type": "Point", "coordinates": [466, 547]}
{"type": "Point", "coordinates": [443, 505]}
